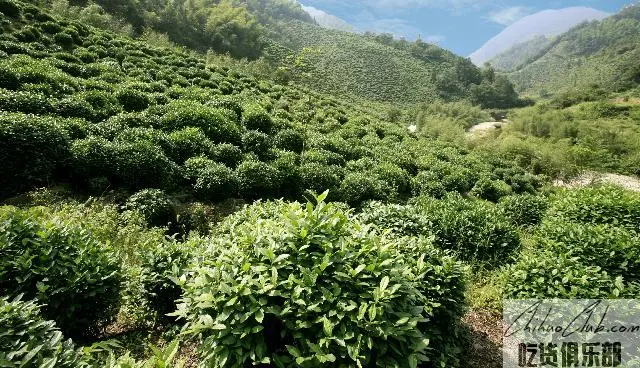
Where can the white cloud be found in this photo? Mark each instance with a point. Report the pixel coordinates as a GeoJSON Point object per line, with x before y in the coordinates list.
{"type": "Point", "coordinates": [509, 16]}
{"type": "Point", "coordinates": [327, 20]}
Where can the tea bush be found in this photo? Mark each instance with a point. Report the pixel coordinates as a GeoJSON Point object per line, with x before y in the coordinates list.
{"type": "Point", "coordinates": [491, 190]}
{"type": "Point", "coordinates": [92, 157]}
{"type": "Point", "coordinates": [154, 205]}
{"type": "Point", "coordinates": [214, 122]}
{"type": "Point", "coordinates": [524, 209]}
{"type": "Point", "coordinates": [547, 275]}
{"type": "Point", "coordinates": [319, 289]}
{"type": "Point", "coordinates": [258, 179]}
{"type": "Point", "coordinates": [319, 177]}
{"type": "Point", "coordinates": [475, 230]}
{"type": "Point", "coordinates": [9, 8]}
{"type": "Point", "coordinates": [27, 340]}
{"type": "Point", "coordinates": [143, 164]}
{"type": "Point", "coordinates": [598, 205]}
{"type": "Point", "coordinates": [186, 143]}
{"type": "Point", "coordinates": [24, 101]}
{"type": "Point", "coordinates": [393, 177]}
{"type": "Point", "coordinates": [256, 142]}
{"type": "Point", "coordinates": [213, 181]}
{"type": "Point", "coordinates": [290, 140]}
{"type": "Point", "coordinates": [254, 117]}
{"type": "Point", "coordinates": [161, 266]}
{"type": "Point", "coordinates": [132, 100]}
{"type": "Point", "coordinates": [400, 219]}
{"type": "Point", "coordinates": [288, 165]}
{"type": "Point", "coordinates": [73, 107]}
{"type": "Point", "coordinates": [33, 150]}
{"type": "Point", "coordinates": [358, 187]}
{"type": "Point", "coordinates": [76, 278]}
{"type": "Point", "coordinates": [613, 249]}
{"type": "Point", "coordinates": [427, 183]}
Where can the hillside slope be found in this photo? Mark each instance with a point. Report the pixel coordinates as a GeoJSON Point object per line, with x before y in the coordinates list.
{"type": "Point", "coordinates": [605, 53]}
{"type": "Point", "coordinates": [520, 54]}
{"type": "Point", "coordinates": [545, 23]}
{"type": "Point", "coordinates": [373, 67]}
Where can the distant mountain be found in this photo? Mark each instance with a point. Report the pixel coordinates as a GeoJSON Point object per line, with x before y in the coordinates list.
{"type": "Point", "coordinates": [603, 53]}
{"type": "Point", "coordinates": [520, 54]}
{"type": "Point", "coordinates": [544, 23]}
{"type": "Point", "coordinates": [327, 20]}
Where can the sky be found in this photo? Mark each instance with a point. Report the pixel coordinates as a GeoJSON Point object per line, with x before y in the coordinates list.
{"type": "Point", "coordinates": [461, 26]}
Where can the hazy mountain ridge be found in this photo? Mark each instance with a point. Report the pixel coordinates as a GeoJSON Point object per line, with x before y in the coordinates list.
{"type": "Point", "coordinates": [520, 54]}
{"type": "Point", "coordinates": [603, 53]}
{"type": "Point", "coordinates": [545, 23]}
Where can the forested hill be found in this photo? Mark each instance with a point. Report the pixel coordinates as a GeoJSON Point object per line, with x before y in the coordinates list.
{"type": "Point", "coordinates": [373, 67]}
{"type": "Point", "coordinates": [377, 67]}
{"type": "Point", "coordinates": [603, 53]}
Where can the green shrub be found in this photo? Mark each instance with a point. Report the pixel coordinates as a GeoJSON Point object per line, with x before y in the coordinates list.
{"type": "Point", "coordinates": [254, 117]}
{"type": "Point", "coordinates": [26, 340]}
{"type": "Point", "coordinates": [65, 40]}
{"type": "Point", "coordinates": [33, 149]}
{"type": "Point", "coordinates": [358, 187]}
{"type": "Point", "coordinates": [324, 157]}
{"type": "Point", "coordinates": [92, 157]}
{"type": "Point", "coordinates": [104, 103]}
{"type": "Point", "coordinates": [287, 163]}
{"type": "Point", "coordinates": [143, 164]}
{"type": "Point", "coordinates": [256, 142]}
{"type": "Point", "coordinates": [320, 290]}
{"type": "Point", "coordinates": [476, 230]}
{"type": "Point", "coordinates": [491, 190]}
{"type": "Point", "coordinates": [546, 275]}
{"type": "Point", "coordinates": [8, 79]}
{"type": "Point", "coordinates": [613, 249]}
{"type": "Point", "coordinates": [427, 183]}
{"type": "Point", "coordinates": [226, 154]}
{"type": "Point", "coordinates": [73, 107]}
{"type": "Point", "coordinates": [161, 266]}
{"type": "Point", "coordinates": [75, 277]}
{"type": "Point", "coordinates": [258, 179]}
{"type": "Point", "coordinates": [215, 123]}
{"type": "Point", "coordinates": [290, 140]}
{"type": "Point", "coordinates": [154, 205]}
{"type": "Point", "coordinates": [524, 209]}
{"type": "Point", "coordinates": [25, 102]}
{"type": "Point", "coordinates": [598, 205]}
{"type": "Point", "coordinates": [401, 220]}
{"type": "Point", "coordinates": [319, 177]}
{"type": "Point", "coordinates": [9, 8]}
{"type": "Point", "coordinates": [188, 142]}
{"type": "Point", "coordinates": [393, 177]}
{"type": "Point", "coordinates": [133, 100]}
{"type": "Point", "coordinates": [212, 181]}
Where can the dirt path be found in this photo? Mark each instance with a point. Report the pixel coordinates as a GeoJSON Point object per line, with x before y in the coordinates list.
{"type": "Point", "coordinates": [591, 177]}
{"type": "Point", "coordinates": [484, 348]}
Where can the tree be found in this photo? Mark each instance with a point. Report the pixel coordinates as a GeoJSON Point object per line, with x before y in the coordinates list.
{"type": "Point", "coordinates": [233, 29]}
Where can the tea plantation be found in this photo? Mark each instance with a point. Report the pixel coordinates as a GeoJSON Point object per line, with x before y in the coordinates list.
{"type": "Point", "coordinates": [160, 209]}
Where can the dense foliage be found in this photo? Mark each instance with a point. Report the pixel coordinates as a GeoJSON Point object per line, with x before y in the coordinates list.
{"type": "Point", "coordinates": [27, 340]}
{"type": "Point", "coordinates": [75, 277]}
{"type": "Point", "coordinates": [309, 286]}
